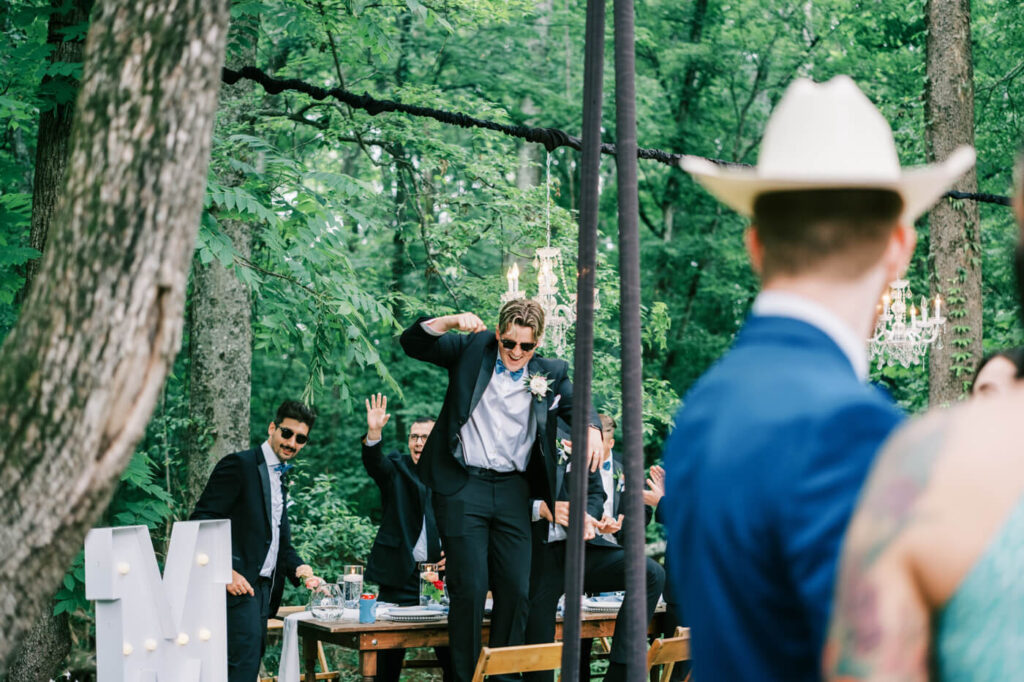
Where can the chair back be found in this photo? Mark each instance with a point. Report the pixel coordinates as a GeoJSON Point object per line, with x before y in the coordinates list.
{"type": "Point", "coordinates": [667, 650]}
{"type": "Point", "coordinates": [517, 659]}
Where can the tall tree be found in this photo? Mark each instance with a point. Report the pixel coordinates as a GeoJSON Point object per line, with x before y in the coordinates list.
{"type": "Point", "coordinates": [220, 312]}
{"type": "Point", "coordinates": [82, 369]}
{"type": "Point", "coordinates": [50, 639]}
{"type": "Point", "coordinates": [954, 237]}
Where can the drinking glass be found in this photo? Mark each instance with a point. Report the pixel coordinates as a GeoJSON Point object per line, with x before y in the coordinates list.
{"type": "Point", "coordinates": [325, 602]}
{"type": "Point", "coordinates": [351, 581]}
{"type": "Point", "coordinates": [431, 585]}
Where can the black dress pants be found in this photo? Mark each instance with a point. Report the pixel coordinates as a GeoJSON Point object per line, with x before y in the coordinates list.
{"type": "Point", "coordinates": [485, 532]}
{"type": "Point", "coordinates": [247, 631]}
{"type": "Point", "coordinates": [389, 661]}
{"type": "Point", "coordinates": [604, 570]}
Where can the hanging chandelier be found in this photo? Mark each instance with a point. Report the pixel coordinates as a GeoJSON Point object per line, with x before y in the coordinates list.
{"type": "Point", "coordinates": [559, 308]}
{"type": "Point", "coordinates": [902, 333]}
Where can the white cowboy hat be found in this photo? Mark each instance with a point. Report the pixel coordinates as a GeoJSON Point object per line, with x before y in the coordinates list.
{"type": "Point", "coordinates": [827, 136]}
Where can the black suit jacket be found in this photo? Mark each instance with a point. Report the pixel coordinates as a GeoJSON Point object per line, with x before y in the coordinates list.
{"type": "Point", "coordinates": [405, 500]}
{"type": "Point", "coordinates": [595, 494]}
{"type": "Point", "coordinates": [239, 490]}
{"type": "Point", "coordinates": [470, 360]}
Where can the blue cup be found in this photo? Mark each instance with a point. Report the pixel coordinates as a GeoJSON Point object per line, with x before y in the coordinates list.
{"type": "Point", "coordinates": [367, 610]}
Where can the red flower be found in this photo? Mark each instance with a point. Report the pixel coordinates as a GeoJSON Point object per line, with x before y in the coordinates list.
{"type": "Point", "coordinates": [439, 584]}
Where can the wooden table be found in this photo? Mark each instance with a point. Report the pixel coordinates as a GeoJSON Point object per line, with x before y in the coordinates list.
{"type": "Point", "coordinates": [368, 638]}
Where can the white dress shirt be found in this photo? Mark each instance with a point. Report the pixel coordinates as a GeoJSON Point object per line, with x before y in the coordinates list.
{"type": "Point", "coordinates": [276, 510]}
{"type": "Point", "coordinates": [793, 306]}
{"type": "Point", "coordinates": [500, 432]}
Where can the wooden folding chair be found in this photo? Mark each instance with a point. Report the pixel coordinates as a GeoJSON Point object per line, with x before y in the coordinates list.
{"type": "Point", "coordinates": [518, 659]}
{"type": "Point", "coordinates": [667, 650]}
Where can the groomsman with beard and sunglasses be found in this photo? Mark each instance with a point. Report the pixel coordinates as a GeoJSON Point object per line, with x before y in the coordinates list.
{"type": "Point", "coordinates": [250, 489]}
{"type": "Point", "coordinates": [490, 453]}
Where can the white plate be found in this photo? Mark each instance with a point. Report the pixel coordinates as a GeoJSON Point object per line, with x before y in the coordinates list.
{"type": "Point", "coordinates": [408, 618]}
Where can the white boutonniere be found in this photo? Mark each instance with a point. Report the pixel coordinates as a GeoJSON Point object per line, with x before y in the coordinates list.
{"type": "Point", "coordinates": [620, 480]}
{"type": "Point", "coordinates": [564, 452]}
{"type": "Point", "coordinates": [538, 385]}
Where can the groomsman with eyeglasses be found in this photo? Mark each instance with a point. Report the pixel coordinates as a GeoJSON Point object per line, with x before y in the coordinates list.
{"type": "Point", "coordinates": [250, 488]}
{"type": "Point", "coordinates": [490, 453]}
{"type": "Point", "coordinates": [408, 532]}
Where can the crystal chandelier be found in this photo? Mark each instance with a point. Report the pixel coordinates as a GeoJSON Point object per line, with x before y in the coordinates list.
{"type": "Point", "coordinates": [559, 308]}
{"type": "Point", "coordinates": [896, 339]}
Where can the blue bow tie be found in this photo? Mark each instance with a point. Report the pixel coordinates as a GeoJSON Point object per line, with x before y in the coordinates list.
{"type": "Point", "coordinates": [500, 368]}
{"type": "Point", "coordinates": [283, 468]}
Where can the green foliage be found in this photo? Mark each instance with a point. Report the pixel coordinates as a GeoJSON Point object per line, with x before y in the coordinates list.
{"type": "Point", "coordinates": [327, 532]}
{"type": "Point", "coordinates": [360, 223]}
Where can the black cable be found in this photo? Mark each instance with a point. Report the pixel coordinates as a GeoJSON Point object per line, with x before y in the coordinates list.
{"type": "Point", "coordinates": [551, 138]}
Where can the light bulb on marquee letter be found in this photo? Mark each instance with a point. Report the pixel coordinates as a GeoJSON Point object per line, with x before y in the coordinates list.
{"type": "Point", "coordinates": [204, 634]}
{"type": "Point", "coordinates": [123, 567]}
{"type": "Point", "coordinates": [127, 649]}
{"type": "Point", "coordinates": [202, 559]}
{"type": "Point", "coordinates": [182, 639]}
{"type": "Point", "coordinates": [150, 644]}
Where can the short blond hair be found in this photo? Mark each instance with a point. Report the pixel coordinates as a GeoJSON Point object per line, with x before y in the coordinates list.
{"type": "Point", "coordinates": [523, 312]}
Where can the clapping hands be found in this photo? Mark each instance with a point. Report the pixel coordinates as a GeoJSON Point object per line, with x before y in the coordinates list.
{"type": "Point", "coordinates": [655, 486]}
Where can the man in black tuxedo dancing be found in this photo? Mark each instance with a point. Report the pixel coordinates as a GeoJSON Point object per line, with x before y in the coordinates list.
{"type": "Point", "coordinates": [492, 450]}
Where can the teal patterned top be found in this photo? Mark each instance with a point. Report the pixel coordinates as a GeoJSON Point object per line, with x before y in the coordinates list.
{"type": "Point", "coordinates": [979, 634]}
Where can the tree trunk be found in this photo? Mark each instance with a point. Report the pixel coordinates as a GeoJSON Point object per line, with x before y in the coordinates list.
{"type": "Point", "coordinates": [42, 650]}
{"type": "Point", "coordinates": [220, 322]}
{"type": "Point", "coordinates": [45, 647]}
{"type": "Point", "coordinates": [54, 131]}
{"type": "Point", "coordinates": [955, 246]}
{"type": "Point", "coordinates": [83, 367]}
{"type": "Point", "coordinates": [220, 364]}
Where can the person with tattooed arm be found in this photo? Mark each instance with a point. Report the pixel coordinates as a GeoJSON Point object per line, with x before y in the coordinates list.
{"type": "Point", "coordinates": [930, 581]}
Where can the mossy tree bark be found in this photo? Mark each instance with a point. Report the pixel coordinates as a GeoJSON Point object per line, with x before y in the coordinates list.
{"type": "Point", "coordinates": [49, 641]}
{"type": "Point", "coordinates": [220, 312]}
{"type": "Point", "coordinates": [954, 236]}
{"type": "Point", "coordinates": [83, 367]}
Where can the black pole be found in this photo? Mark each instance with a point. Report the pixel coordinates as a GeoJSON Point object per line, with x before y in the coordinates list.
{"type": "Point", "coordinates": [632, 370]}
{"type": "Point", "coordinates": [590, 168]}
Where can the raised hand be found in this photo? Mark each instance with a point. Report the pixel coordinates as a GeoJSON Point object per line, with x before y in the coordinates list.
{"type": "Point", "coordinates": [462, 322]}
{"type": "Point", "coordinates": [376, 416]}
{"type": "Point", "coordinates": [595, 448]}
{"type": "Point", "coordinates": [655, 486]}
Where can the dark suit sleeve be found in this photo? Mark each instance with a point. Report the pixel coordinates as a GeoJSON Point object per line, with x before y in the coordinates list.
{"type": "Point", "coordinates": [380, 468]}
{"type": "Point", "coordinates": [443, 350]}
{"type": "Point", "coordinates": [564, 408]}
{"type": "Point", "coordinates": [817, 509]}
{"type": "Point", "coordinates": [221, 490]}
{"type": "Point", "coordinates": [595, 494]}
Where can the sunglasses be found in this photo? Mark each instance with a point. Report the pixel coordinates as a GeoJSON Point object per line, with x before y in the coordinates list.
{"type": "Point", "coordinates": [509, 344]}
{"type": "Point", "coordinates": [287, 434]}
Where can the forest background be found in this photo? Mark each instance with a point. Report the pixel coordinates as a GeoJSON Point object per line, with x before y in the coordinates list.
{"type": "Point", "coordinates": [327, 230]}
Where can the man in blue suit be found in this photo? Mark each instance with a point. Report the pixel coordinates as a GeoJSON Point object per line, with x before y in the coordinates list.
{"type": "Point", "coordinates": [774, 441]}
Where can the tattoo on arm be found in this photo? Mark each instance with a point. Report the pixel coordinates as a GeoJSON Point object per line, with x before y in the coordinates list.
{"type": "Point", "coordinates": [880, 625]}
